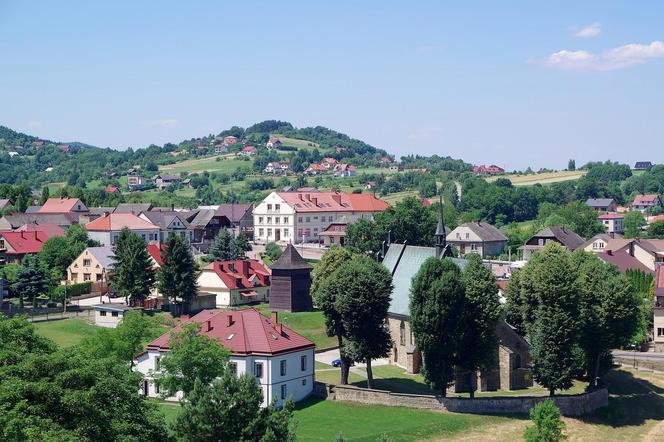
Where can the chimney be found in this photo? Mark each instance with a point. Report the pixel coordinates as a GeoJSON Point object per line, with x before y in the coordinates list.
{"type": "Point", "coordinates": [308, 197]}
{"type": "Point", "coordinates": [207, 326]}
{"type": "Point", "coordinates": [275, 319]}
{"type": "Point", "coordinates": [315, 201]}
{"type": "Point", "coordinates": [245, 268]}
{"type": "Point", "coordinates": [22, 234]}
{"type": "Point", "coordinates": [337, 198]}
{"type": "Point", "coordinates": [230, 320]}
{"type": "Point", "coordinates": [172, 207]}
{"type": "Point", "coordinates": [299, 195]}
{"type": "Point", "coordinates": [281, 329]}
{"type": "Point", "coordinates": [609, 252]}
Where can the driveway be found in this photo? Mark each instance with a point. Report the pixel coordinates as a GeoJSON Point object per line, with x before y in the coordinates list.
{"type": "Point", "coordinates": [327, 357]}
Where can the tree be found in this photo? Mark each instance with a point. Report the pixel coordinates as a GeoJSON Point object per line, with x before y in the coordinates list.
{"type": "Point", "coordinates": [571, 165]}
{"type": "Point", "coordinates": [481, 311]}
{"type": "Point", "coordinates": [656, 229]}
{"type": "Point", "coordinates": [59, 252]}
{"type": "Point", "coordinates": [362, 288]}
{"type": "Point", "coordinates": [548, 427]}
{"type": "Point", "coordinates": [365, 236]}
{"type": "Point", "coordinates": [608, 311]}
{"type": "Point", "coordinates": [273, 251]}
{"type": "Point", "coordinates": [228, 247]}
{"type": "Point", "coordinates": [30, 280]}
{"type": "Point", "coordinates": [45, 195]}
{"type": "Point", "coordinates": [436, 305]}
{"type": "Point", "coordinates": [633, 222]}
{"type": "Point", "coordinates": [191, 357]}
{"type": "Point", "coordinates": [552, 283]}
{"type": "Point", "coordinates": [230, 410]}
{"type": "Point", "coordinates": [133, 276]}
{"type": "Point", "coordinates": [18, 340]}
{"type": "Point", "coordinates": [177, 276]}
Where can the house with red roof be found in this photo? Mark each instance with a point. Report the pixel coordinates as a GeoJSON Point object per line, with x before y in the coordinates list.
{"type": "Point", "coordinates": [646, 202]}
{"type": "Point", "coordinates": [230, 140]}
{"type": "Point", "coordinates": [63, 205]}
{"type": "Point", "coordinates": [344, 170]}
{"type": "Point", "coordinates": [15, 245]}
{"type": "Point", "coordinates": [329, 163]}
{"type": "Point", "coordinates": [111, 189]}
{"type": "Point", "coordinates": [302, 216]}
{"type": "Point", "coordinates": [248, 151]}
{"type": "Point", "coordinates": [613, 222]}
{"type": "Point", "coordinates": [236, 282]}
{"type": "Point", "coordinates": [106, 229]}
{"type": "Point", "coordinates": [488, 170]}
{"type": "Point", "coordinates": [315, 169]}
{"type": "Point", "coordinates": [281, 360]}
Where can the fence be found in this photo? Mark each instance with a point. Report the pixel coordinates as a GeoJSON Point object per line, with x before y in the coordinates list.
{"type": "Point", "coordinates": [572, 405]}
{"type": "Point", "coordinates": [49, 314]}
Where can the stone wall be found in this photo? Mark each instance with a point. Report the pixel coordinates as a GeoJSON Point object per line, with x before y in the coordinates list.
{"type": "Point", "coordinates": [573, 405]}
{"type": "Point", "coordinates": [640, 364]}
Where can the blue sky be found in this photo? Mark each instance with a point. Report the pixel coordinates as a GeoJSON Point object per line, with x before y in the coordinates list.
{"type": "Point", "coordinates": [513, 83]}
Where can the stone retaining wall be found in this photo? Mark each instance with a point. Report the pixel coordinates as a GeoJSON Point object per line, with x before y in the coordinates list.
{"type": "Point", "coordinates": [640, 364]}
{"type": "Point", "coordinates": [573, 405]}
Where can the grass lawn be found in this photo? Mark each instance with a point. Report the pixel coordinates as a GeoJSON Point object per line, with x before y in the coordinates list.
{"type": "Point", "coordinates": [169, 409]}
{"type": "Point", "coordinates": [322, 365]}
{"type": "Point", "coordinates": [294, 142]}
{"type": "Point", "coordinates": [66, 332]}
{"type": "Point", "coordinates": [332, 376]}
{"type": "Point", "coordinates": [309, 324]}
{"type": "Point", "coordinates": [228, 163]}
{"type": "Point", "coordinates": [541, 178]}
{"type": "Point", "coordinates": [393, 198]}
{"type": "Point", "coordinates": [319, 420]}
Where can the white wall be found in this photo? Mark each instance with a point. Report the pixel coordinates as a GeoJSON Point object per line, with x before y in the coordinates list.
{"type": "Point", "coordinates": [108, 321]}
{"type": "Point", "coordinates": [108, 238]}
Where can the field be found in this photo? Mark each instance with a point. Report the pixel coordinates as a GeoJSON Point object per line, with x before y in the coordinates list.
{"type": "Point", "coordinates": [227, 163]}
{"type": "Point", "coordinates": [294, 142]}
{"type": "Point", "coordinates": [393, 198]}
{"type": "Point", "coordinates": [541, 178]}
{"type": "Point", "coordinates": [66, 332]}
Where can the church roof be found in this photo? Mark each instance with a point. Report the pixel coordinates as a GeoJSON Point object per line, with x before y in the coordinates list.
{"type": "Point", "coordinates": [404, 261]}
{"type": "Point", "coordinates": [290, 260]}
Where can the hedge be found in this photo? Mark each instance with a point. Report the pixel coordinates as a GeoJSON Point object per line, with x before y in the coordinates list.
{"type": "Point", "coordinates": [82, 288]}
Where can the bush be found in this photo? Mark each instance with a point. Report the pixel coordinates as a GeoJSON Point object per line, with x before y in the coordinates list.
{"type": "Point", "coordinates": [82, 288]}
{"type": "Point", "coordinates": [273, 251]}
{"type": "Point", "coordinates": [548, 426]}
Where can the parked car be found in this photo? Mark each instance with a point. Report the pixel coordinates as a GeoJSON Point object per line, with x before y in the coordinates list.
{"type": "Point", "coordinates": [337, 362]}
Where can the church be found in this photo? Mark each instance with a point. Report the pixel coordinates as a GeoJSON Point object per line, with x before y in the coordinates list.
{"type": "Point", "coordinates": [513, 352]}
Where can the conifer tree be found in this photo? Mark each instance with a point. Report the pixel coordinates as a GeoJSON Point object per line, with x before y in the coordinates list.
{"type": "Point", "coordinates": [30, 280]}
{"type": "Point", "coordinates": [133, 276]}
{"type": "Point", "coordinates": [177, 276]}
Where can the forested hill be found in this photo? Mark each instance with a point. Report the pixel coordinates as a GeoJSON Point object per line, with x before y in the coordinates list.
{"type": "Point", "coordinates": [36, 161]}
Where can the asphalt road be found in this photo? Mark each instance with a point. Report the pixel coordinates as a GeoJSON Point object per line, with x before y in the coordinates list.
{"type": "Point", "coordinates": [643, 356]}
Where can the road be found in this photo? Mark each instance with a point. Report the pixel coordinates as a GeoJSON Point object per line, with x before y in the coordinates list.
{"type": "Point", "coordinates": [642, 356]}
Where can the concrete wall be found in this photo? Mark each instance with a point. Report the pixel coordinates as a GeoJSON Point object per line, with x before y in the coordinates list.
{"type": "Point", "coordinates": [574, 405]}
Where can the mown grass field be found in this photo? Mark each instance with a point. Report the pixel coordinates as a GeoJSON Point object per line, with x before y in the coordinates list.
{"type": "Point", "coordinates": [311, 325]}
{"type": "Point", "coordinates": [294, 142]}
{"type": "Point", "coordinates": [66, 332]}
{"type": "Point", "coordinates": [227, 163]}
{"type": "Point", "coordinates": [541, 178]}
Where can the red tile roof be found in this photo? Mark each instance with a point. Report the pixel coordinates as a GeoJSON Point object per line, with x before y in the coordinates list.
{"type": "Point", "coordinates": [50, 229]}
{"type": "Point", "coordinates": [241, 274]}
{"type": "Point", "coordinates": [243, 332]}
{"type": "Point", "coordinates": [645, 199]}
{"type": "Point", "coordinates": [118, 221]}
{"type": "Point", "coordinates": [111, 189]}
{"type": "Point", "coordinates": [249, 148]}
{"type": "Point", "coordinates": [59, 205]}
{"type": "Point", "coordinates": [24, 242]}
{"type": "Point", "coordinates": [333, 202]}
{"type": "Point", "coordinates": [611, 216]}
{"type": "Point", "coordinates": [155, 252]}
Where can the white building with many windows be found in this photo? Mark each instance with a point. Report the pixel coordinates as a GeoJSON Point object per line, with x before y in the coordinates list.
{"type": "Point", "coordinates": [302, 216]}
{"type": "Point", "coordinates": [281, 360]}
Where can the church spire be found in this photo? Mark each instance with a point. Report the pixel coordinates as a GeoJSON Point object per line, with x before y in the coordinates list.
{"type": "Point", "coordinates": [441, 242]}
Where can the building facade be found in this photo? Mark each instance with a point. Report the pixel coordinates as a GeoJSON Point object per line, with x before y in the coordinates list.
{"type": "Point", "coordinates": [477, 237]}
{"type": "Point", "coordinates": [238, 282]}
{"type": "Point", "coordinates": [107, 228]}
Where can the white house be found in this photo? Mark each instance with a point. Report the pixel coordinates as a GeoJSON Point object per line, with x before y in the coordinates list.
{"type": "Point", "coordinates": [477, 237]}
{"type": "Point", "coordinates": [110, 315]}
{"type": "Point", "coordinates": [613, 222]}
{"type": "Point", "coordinates": [235, 282]}
{"type": "Point", "coordinates": [106, 229]}
{"type": "Point", "coordinates": [302, 216]}
{"type": "Point", "coordinates": [281, 360]}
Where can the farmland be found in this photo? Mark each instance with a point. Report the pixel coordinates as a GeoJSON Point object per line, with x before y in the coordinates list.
{"type": "Point", "coordinates": [541, 178]}
{"type": "Point", "coordinates": [218, 163]}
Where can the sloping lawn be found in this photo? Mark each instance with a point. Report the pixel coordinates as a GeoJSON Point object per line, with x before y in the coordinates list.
{"type": "Point", "coordinates": [320, 420]}
{"type": "Point", "coordinates": [66, 332]}
{"type": "Point", "coordinates": [311, 325]}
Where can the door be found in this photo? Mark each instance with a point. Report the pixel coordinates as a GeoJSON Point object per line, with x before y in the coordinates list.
{"type": "Point", "coordinates": [277, 234]}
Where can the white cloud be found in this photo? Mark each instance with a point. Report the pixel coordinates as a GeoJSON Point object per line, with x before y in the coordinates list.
{"type": "Point", "coordinates": [592, 30]}
{"type": "Point", "coordinates": [166, 123]}
{"type": "Point", "coordinates": [34, 124]}
{"type": "Point", "coordinates": [616, 58]}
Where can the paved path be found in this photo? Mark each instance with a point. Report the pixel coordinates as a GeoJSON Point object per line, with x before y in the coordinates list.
{"type": "Point", "coordinates": [328, 356]}
{"type": "Point", "coordinates": [640, 355]}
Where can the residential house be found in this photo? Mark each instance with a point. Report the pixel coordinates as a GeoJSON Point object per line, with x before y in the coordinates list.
{"type": "Point", "coordinates": [369, 185]}
{"type": "Point", "coordinates": [643, 203]}
{"type": "Point", "coordinates": [169, 222]}
{"type": "Point", "coordinates": [623, 260]}
{"type": "Point", "coordinates": [344, 170]}
{"type": "Point", "coordinates": [16, 220]}
{"type": "Point", "coordinates": [281, 360]}
{"type": "Point", "coordinates": [240, 217]}
{"type": "Point", "coordinates": [315, 169]}
{"type": "Point", "coordinates": [654, 219]}
{"type": "Point", "coordinates": [512, 353]}
{"type": "Point", "coordinates": [5, 204]}
{"type": "Point", "coordinates": [279, 167]}
{"type": "Point", "coordinates": [273, 143]}
{"type": "Point", "coordinates": [63, 205]}
{"type": "Point", "coordinates": [642, 165]}
{"type": "Point", "coordinates": [340, 149]}
{"type": "Point", "coordinates": [395, 168]}
{"type": "Point", "coordinates": [106, 229]}
{"type": "Point", "coordinates": [134, 179]}
{"type": "Point", "coordinates": [230, 139]}
{"type": "Point", "coordinates": [15, 245]}
{"type": "Point", "coordinates": [206, 224]}
{"type": "Point", "coordinates": [602, 204]}
{"type": "Point", "coordinates": [110, 315]}
{"type": "Point", "coordinates": [329, 163]}
{"type": "Point", "coordinates": [386, 160]}
{"type": "Point", "coordinates": [94, 264]}
{"type": "Point", "coordinates": [560, 234]}
{"type": "Point", "coordinates": [599, 243]}
{"type": "Point", "coordinates": [220, 148]}
{"type": "Point", "coordinates": [235, 282]}
{"type": "Point", "coordinates": [335, 233]}
{"type": "Point", "coordinates": [294, 217]}
{"type": "Point", "coordinates": [477, 237]}
{"type": "Point", "coordinates": [162, 181]}
{"type": "Point", "coordinates": [248, 151]}
{"type": "Point", "coordinates": [133, 208]}
{"type": "Point", "coordinates": [488, 170]}
{"type": "Point", "coordinates": [658, 320]}
{"type": "Point", "coordinates": [613, 222]}
{"type": "Point", "coordinates": [111, 189]}
{"type": "Point", "coordinates": [50, 229]}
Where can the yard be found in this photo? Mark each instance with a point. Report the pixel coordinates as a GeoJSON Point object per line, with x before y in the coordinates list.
{"type": "Point", "coordinates": [66, 332]}
{"type": "Point", "coordinates": [311, 325]}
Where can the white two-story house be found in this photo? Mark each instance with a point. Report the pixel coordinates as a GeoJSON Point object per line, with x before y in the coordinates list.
{"type": "Point", "coordinates": [297, 217]}
{"type": "Point", "coordinates": [281, 360]}
{"type": "Point", "coordinates": [107, 228]}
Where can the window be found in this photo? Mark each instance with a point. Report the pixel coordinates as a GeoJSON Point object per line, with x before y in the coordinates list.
{"type": "Point", "coordinates": [102, 313]}
{"type": "Point", "coordinates": [473, 247]}
{"type": "Point", "coordinates": [467, 235]}
{"type": "Point", "coordinates": [303, 363]}
{"type": "Point", "coordinates": [86, 276]}
{"type": "Point", "coordinates": [308, 219]}
{"type": "Point", "coordinates": [233, 367]}
{"type": "Point", "coordinates": [283, 391]}
{"type": "Point", "coordinates": [269, 233]}
{"type": "Point", "coordinates": [114, 314]}
{"type": "Point", "coordinates": [258, 369]}
{"type": "Point", "coordinates": [540, 242]}
{"type": "Point", "coordinates": [458, 235]}
{"type": "Point", "coordinates": [660, 332]}
{"type": "Point", "coordinates": [74, 277]}
{"type": "Point", "coordinates": [260, 232]}
{"type": "Point", "coordinates": [156, 388]}
{"type": "Point", "coordinates": [269, 220]}
{"type": "Point", "coordinates": [282, 367]}
{"type": "Point", "coordinates": [299, 232]}
{"type": "Point", "coordinates": [269, 207]}
{"type": "Point", "coordinates": [87, 263]}
{"type": "Point", "coordinates": [299, 219]}
{"type": "Point", "coordinates": [277, 207]}
{"type": "Point", "coordinates": [315, 218]}
{"type": "Point", "coordinates": [402, 333]}
{"type": "Point", "coordinates": [286, 232]}
{"type": "Point", "coordinates": [285, 220]}
{"type": "Point", "coordinates": [99, 277]}
{"type": "Point", "coordinates": [156, 362]}
{"type": "Point", "coordinates": [304, 381]}
{"type": "Point", "coordinates": [143, 236]}
{"type": "Point", "coordinates": [276, 220]}
{"type": "Point", "coordinates": [260, 220]}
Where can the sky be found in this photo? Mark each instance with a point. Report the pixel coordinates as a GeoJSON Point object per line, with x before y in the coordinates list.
{"type": "Point", "coordinates": [516, 83]}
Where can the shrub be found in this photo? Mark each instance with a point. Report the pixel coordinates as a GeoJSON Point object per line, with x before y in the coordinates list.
{"type": "Point", "coordinates": [273, 251]}
{"type": "Point", "coordinates": [548, 426]}
{"type": "Point", "coordinates": [72, 290]}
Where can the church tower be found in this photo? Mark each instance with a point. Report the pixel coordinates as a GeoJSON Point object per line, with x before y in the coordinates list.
{"type": "Point", "coordinates": [442, 248]}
